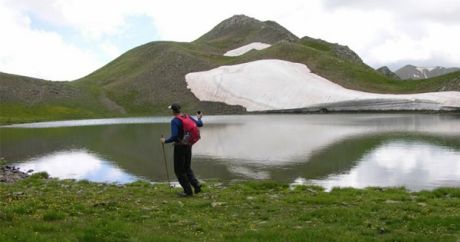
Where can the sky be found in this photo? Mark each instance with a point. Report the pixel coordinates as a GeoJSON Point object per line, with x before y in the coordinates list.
{"type": "Point", "coordinates": [68, 39]}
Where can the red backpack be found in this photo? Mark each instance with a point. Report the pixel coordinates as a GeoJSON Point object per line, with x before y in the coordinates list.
{"type": "Point", "coordinates": [191, 131]}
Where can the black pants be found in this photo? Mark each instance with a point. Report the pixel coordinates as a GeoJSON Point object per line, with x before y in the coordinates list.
{"type": "Point", "coordinates": [183, 169]}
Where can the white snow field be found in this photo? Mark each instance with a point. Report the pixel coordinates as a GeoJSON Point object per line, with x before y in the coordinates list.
{"type": "Point", "coordinates": [246, 48]}
{"type": "Point", "coordinates": [279, 85]}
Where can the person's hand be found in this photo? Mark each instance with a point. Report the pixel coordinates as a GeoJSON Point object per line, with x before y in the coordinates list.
{"type": "Point", "coordinates": [162, 140]}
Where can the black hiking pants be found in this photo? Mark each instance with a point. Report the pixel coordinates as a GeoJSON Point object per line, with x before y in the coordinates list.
{"type": "Point", "coordinates": [183, 169]}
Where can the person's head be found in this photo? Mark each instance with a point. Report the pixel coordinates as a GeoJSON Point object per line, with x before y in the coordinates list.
{"type": "Point", "coordinates": [175, 108]}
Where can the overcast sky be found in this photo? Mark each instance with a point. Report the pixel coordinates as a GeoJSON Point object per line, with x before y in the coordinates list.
{"type": "Point", "coordinates": [68, 39]}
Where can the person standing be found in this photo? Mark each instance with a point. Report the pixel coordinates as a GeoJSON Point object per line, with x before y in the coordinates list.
{"type": "Point", "coordinates": [183, 140]}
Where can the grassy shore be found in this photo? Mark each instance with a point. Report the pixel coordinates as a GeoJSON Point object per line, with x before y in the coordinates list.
{"type": "Point", "coordinates": [37, 209]}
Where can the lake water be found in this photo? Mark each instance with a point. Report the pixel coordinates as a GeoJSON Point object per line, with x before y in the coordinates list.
{"type": "Point", "coordinates": [419, 151]}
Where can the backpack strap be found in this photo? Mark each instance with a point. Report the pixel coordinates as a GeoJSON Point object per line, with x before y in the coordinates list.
{"type": "Point", "coordinates": [182, 117]}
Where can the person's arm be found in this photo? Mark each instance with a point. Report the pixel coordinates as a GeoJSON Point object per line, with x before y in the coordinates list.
{"type": "Point", "coordinates": [198, 121]}
{"type": "Point", "coordinates": [174, 131]}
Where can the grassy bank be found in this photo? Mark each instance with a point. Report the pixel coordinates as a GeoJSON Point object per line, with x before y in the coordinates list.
{"type": "Point", "coordinates": [37, 209]}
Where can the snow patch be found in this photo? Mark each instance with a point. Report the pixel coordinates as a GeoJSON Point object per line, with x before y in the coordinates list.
{"type": "Point", "coordinates": [276, 85]}
{"type": "Point", "coordinates": [423, 69]}
{"type": "Point", "coordinates": [246, 48]}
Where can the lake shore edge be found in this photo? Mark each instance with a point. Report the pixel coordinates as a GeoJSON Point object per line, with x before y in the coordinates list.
{"type": "Point", "coordinates": [5, 122]}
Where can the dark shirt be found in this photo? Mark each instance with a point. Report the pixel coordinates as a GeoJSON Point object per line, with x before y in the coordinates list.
{"type": "Point", "coordinates": [177, 132]}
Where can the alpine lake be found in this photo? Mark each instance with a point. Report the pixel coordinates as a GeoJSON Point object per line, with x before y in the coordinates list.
{"type": "Point", "coordinates": [415, 150]}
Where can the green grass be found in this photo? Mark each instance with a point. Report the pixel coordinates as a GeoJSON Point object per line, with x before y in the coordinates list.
{"type": "Point", "coordinates": [63, 210]}
{"type": "Point", "coordinates": [21, 113]}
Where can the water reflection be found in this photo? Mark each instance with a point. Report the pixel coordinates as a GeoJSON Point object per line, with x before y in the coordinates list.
{"type": "Point", "coordinates": [401, 163]}
{"type": "Point", "coordinates": [90, 122]}
{"type": "Point", "coordinates": [77, 164]}
{"type": "Point", "coordinates": [323, 148]}
{"type": "Point", "coordinates": [280, 140]}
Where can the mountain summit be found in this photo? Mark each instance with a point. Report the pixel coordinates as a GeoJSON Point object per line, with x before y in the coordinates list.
{"type": "Point", "coordinates": [240, 30]}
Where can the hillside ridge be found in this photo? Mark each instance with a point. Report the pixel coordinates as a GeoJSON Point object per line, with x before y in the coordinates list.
{"type": "Point", "coordinates": [146, 79]}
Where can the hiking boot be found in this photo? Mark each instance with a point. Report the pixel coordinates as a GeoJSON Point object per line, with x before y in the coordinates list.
{"type": "Point", "coordinates": [197, 189]}
{"type": "Point", "coordinates": [183, 194]}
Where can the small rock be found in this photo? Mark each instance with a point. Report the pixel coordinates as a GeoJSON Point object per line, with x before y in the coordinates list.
{"type": "Point", "coordinates": [311, 190]}
{"type": "Point", "coordinates": [392, 202]}
{"type": "Point", "coordinates": [217, 204]}
{"type": "Point", "coordinates": [250, 198]}
{"type": "Point", "coordinates": [10, 174]}
{"type": "Point", "coordinates": [18, 193]}
{"type": "Point", "coordinates": [30, 171]}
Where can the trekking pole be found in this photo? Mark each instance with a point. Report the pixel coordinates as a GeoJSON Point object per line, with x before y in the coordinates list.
{"type": "Point", "coordinates": [166, 163]}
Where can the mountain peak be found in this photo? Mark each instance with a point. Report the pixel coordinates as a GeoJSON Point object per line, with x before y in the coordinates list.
{"type": "Point", "coordinates": [238, 19]}
{"type": "Point", "coordinates": [417, 72]}
{"type": "Point", "coordinates": [240, 30]}
{"type": "Point", "coordinates": [388, 73]}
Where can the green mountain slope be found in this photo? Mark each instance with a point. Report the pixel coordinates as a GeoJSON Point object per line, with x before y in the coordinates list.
{"type": "Point", "coordinates": [25, 99]}
{"type": "Point", "coordinates": [144, 80]}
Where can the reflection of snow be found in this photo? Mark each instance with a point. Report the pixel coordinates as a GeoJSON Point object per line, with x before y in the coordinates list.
{"type": "Point", "coordinates": [274, 140]}
{"type": "Point", "coordinates": [77, 164]}
{"type": "Point", "coordinates": [270, 140]}
{"type": "Point", "coordinates": [414, 165]}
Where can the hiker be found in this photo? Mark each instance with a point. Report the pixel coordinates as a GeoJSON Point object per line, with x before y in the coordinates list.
{"type": "Point", "coordinates": [184, 133]}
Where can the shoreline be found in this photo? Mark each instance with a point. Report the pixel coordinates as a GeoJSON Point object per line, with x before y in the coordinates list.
{"type": "Point", "coordinates": [283, 111]}
{"type": "Point", "coordinates": [12, 174]}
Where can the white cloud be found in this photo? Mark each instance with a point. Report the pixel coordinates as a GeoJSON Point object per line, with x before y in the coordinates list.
{"type": "Point", "coordinates": [39, 53]}
{"type": "Point", "coordinates": [382, 32]}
